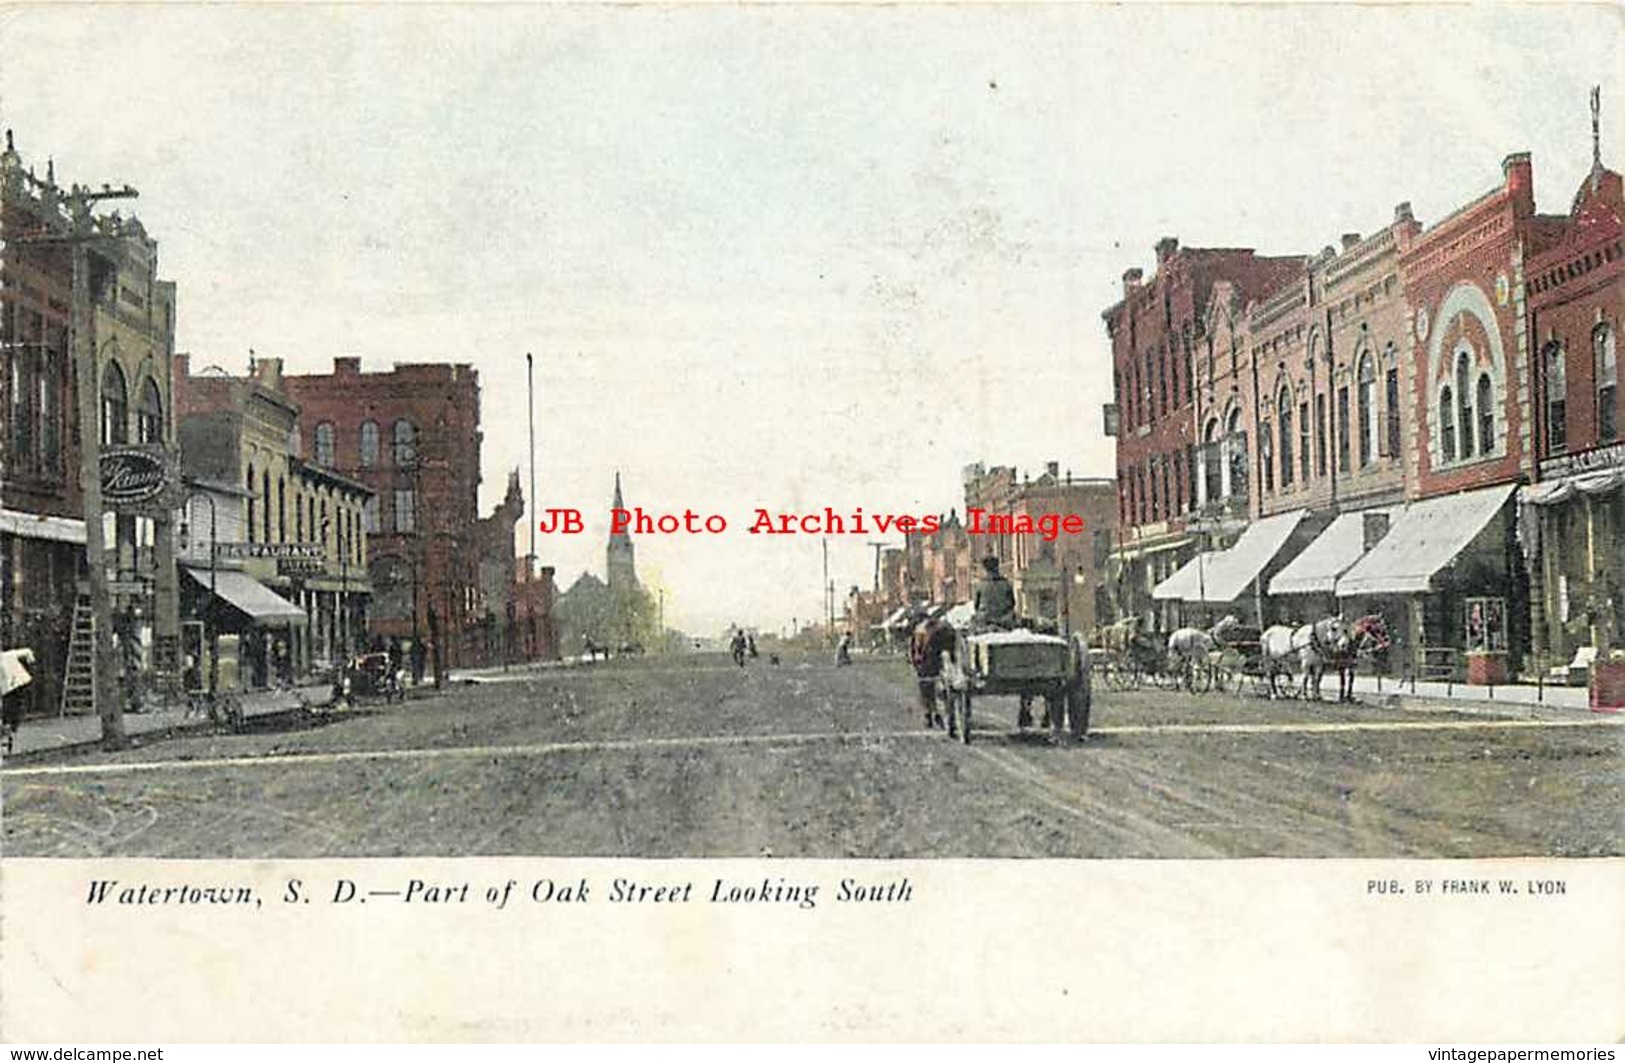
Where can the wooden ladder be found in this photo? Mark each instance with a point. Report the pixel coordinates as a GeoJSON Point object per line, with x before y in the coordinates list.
{"type": "Point", "coordinates": [79, 682]}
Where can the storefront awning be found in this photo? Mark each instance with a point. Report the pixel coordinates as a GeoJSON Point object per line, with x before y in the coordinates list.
{"type": "Point", "coordinates": [1224, 575]}
{"type": "Point", "coordinates": [1334, 552]}
{"type": "Point", "coordinates": [1587, 483]}
{"type": "Point", "coordinates": [1130, 551]}
{"type": "Point", "coordinates": [1426, 538]}
{"type": "Point", "coordinates": [1187, 581]}
{"type": "Point", "coordinates": [34, 526]}
{"type": "Point", "coordinates": [251, 597]}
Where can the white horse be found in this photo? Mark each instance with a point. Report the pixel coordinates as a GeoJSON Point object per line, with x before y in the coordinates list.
{"type": "Point", "coordinates": [1313, 645]}
{"type": "Point", "coordinates": [1192, 646]}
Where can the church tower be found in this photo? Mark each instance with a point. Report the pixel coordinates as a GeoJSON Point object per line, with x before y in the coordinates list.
{"type": "Point", "coordinates": [619, 565]}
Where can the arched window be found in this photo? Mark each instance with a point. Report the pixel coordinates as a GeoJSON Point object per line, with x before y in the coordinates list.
{"type": "Point", "coordinates": [1464, 403]}
{"type": "Point", "coordinates": [50, 409]}
{"type": "Point", "coordinates": [1606, 371]}
{"type": "Point", "coordinates": [281, 510]}
{"type": "Point", "coordinates": [324, 444]}
{"type": "Point", "coordinates": [1366, 399]}
{"type": "Point", "coordinates": [1284, 414]}
{"type": "Point", "coordinates": [1236, 439]}
{"type": "Point", "coordinates": [406, 443]}
{"type": "Point", "coordinates": [115, 406]}
{"type": "Point", "coordinates": [1266, 456]}
{"type": "Point", "coordinates": [1557, 399]}
{"type": "Point", "coordinates": [265, 502]}
{"type": "Point", "coordinates": [1486, 416]}
{"type": "Point", "coordinates": [1447, 425]}
{"type": "Point", "coordinates": [149, 415]}
{"type": "Point", "coordinates": [1212, 482]}
{"type": "Point", "coordinates": [369, 444]}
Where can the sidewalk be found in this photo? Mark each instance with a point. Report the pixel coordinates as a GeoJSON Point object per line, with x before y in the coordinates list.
{"type": "Point", "coordinates": [1551, 697]}
{"type": "Point", "coordinates": [60, 732]}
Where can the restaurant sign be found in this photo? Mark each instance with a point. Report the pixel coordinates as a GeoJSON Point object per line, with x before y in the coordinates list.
{"type": "Point", "coordinates": [275, 551]}
{"type": "Point", "coordinates": [136, 479]}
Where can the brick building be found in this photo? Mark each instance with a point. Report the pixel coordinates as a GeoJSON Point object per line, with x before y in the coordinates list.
{"type": "Point", "coordinates": [1573, 522]}
{"type": "Point", "coordinates": [239, 440]}
{"type": "Point", "coordinates": [413, 436]}
{"type": "Point", "coordinates": [1155, 331]}
{"type": "Point", "coordinates": [129, 315]}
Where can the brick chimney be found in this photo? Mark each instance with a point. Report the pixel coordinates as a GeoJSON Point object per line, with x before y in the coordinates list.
{"type": "Point", "coordinates": [346, 366]}
{"type": "Point", "coordinates": [1519, 173]}
{"type": "Point", "coordinates": [1131, 280]}
{"type": "Point", "coordinates": [268, 372]}
{"type": "Point", "coordinates": [1053, 468]}
{"type": "Point", "coordinates": [1166, 248]}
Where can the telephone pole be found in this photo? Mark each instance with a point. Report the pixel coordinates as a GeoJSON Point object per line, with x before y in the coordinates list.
{"type": "Point", "coordinates": [530, 403]}
{"type": "Point", "coordinates": [82, 348]}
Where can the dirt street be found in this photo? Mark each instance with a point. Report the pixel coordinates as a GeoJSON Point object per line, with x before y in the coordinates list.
{"type": "Point", "coordinates": [694, 757]}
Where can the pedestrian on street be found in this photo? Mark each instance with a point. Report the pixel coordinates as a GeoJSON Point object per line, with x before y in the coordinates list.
{"type": "Point", "coordinates": [933, 639]}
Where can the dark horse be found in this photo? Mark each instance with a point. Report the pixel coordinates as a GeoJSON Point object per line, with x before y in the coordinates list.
{"type": "Point", "coordinates": [1367, 636]}
{"type": "Point", "coordinates": [593, 649]}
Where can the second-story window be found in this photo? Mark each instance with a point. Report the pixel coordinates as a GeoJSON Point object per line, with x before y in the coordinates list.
{"type": "Point", "coordinates": [1464, 403]}
{"type": "Point", "coordinates": [369, 444]}
{"type": "Point", "coordinates": [1303, 440]}
{"type": "Point", "coordinates": [1368, 411]}
{"type": "Point", "coordinates": [1343, 429]}
{"type": "Point", "coordinates": [324, 444]}
{"type": "Point", "coordinates": [1447, 424]}
{"type": "Point", "coordinates": [1284, 412]}
{"type": "Point", "coordinates": [1557, 399]}
{"type": "Point", "coordinates": [1390, 389]}
{"type": "Point", "coordinates": [1606, 358]}
{"type": "Point", "coordinates": [1486, 415]}
{"type": "Point", "coordinates": [406, 443]}
{"type": "Point", "coordinates": [115, 406]}
{"type": "Point", "coordinates": [149, 415]}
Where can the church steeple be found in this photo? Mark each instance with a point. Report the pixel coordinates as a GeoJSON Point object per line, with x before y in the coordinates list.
{"type": "Point", "coordinates": [620, 565]}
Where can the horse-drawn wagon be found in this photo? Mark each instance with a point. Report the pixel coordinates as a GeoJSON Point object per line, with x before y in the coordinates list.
{"type": "Point", "coordinates": [1024, 663]}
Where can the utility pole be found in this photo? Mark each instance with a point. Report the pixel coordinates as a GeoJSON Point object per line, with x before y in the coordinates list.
{"type": "Point", "coordinates": [530, 403]}
{"type": "Point", "coordinates": [878, 547]}
{"type": "Point", "coordinates": [82, 345]}
{"type": "Point", "coordinates": [829, 592]}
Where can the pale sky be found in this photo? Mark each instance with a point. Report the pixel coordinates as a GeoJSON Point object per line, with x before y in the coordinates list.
{"type": "Point", "coordinates": [785, 256]}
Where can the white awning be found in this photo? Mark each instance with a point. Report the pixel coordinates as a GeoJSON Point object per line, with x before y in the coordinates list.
{"type": "Point", "coordinates": [1334, 552]}
{"type": "Point", "coordinates": [1187, 581]}
{"type": "Point", "coordinates": [1224, 576]}
{"type": "Point", "coordinates": [1427, 537]}
{"type": "Point", "coordinates": [251, 597]}
{"type": "Point", "coordinates": [34, 526]}
{"type": "Point", "coordinates": [1554, 492]}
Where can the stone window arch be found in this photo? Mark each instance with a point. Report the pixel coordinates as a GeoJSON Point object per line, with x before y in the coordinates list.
{"type": "Point", "coordinates": [1466, 323]}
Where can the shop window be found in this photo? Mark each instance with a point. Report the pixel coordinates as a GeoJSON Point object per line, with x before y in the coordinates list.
{"type": "Point", "coordinates": [1485, 625]}
{"type": "Point", "coordinates": [1606, 358]}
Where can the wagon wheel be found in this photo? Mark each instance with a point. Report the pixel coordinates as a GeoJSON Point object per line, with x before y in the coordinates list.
{"type": "Point", "coordinates": [1077, 711]}
{"type": "Point", "coordinates": [1202, 677]}
{"type": "Point", "coordinates": [1223, 678]}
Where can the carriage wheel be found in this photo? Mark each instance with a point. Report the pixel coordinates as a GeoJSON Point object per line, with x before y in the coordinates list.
{"type": "Point", "coordinates": [1077, 712]}
{"type": "Point", "coordinates": [1202, 678]}
{"type": "Point", "coordinates": [1223, 678]}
